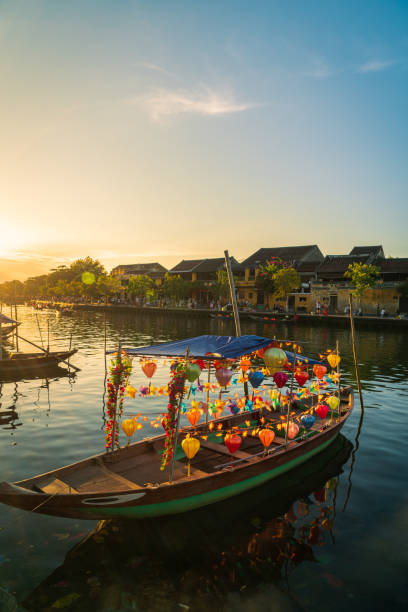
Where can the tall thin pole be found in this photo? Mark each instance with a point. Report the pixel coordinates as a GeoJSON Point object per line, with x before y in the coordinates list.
{"type": "Point", "coordinates": [291, 392]}
{"type": "Point", "coordinates": [173, 459]}
{"type": "Point", "coordinates": [208, 392]}
{"type": "Point", "coordinates": [338, 380]}
{"type": "Point", "coordinates": [234, 308]}
{"type": "Point", "coordinates": [353, 339]}
{"type": "Point", "coordinates": [15, 312]}
{"type": "Point", "coordinates": [233, 294]}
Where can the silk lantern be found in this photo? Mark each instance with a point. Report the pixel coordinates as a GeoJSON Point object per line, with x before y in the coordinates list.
{"type": "Point", "coordinates": [255, 378]}
{"type": "Point", "coordinates": [266, 436]}
{"type": "Point", "coordinates": [333, 402]}
{"type": "Point", "coordinates": [149, 368]}
{"type": "Point", "coordinates": [232, 442]}
{"type": "Point", "coordinates": [223, 376]}
{"type": "Point", "coordinates": [129, 427]}
{"type": "Point", "coordinates": [333, 360]}
{"type": "Point", "coordinates": [293, 430]}
{"type": "Point", "coordinates": [193, 416]}
{"type": "Point", "coordinates": [319, 371]}
{"type": "Point", "coordinates": [321, 410]}
{"type": "Point", "coordinates": [193, 371]}
{"type": "Point", "coordinates": [190, 447]}
{"type": "Point", "coordinates": [274, 359]}
{"type": "Point", "coordinates": [307, 420]}
{"type": "Point", "coordinates": [301, 377]}
{"type": "Point", "coordinates": [280, 379]}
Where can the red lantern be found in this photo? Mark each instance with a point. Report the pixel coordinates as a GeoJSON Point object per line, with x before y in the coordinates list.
{"type": "Point", "coordinates": [301, 378]}
{"type": "Point", "coordinates": [280, 379]}
{"type": "Point", "coordinates": [319, 371]}
{"type": "Point", "coordinates": [321, 410]}
{"type": "Point", "coordinates": [232, 442]}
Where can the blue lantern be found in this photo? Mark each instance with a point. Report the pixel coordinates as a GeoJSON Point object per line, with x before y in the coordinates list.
{"type": "Point", "coordinates": [255, 378]}
{"type": "Point", "coordinates": [232, 406]}
{"type": "Point", "coordinates": [307, 420]}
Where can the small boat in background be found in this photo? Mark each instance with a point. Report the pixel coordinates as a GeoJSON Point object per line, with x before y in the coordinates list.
{"type": "Point", "coordinates": [20, 364]}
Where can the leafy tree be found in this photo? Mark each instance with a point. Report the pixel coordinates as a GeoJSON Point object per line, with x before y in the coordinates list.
{"type": "Point", "coordinates": [221, 285]}
{"type": "Point", "coordinates": [277, 278]}
{"type": "Point", "coordinates": [362, 276]}
{"type": "Point", "coordinates": [140, 286]}
{"type": "Point", "coordinates": [175, 287]}
{"type": "Point", "coordinates": [286, 280]}
{"type": "Point", "coordinates": [107, 285]}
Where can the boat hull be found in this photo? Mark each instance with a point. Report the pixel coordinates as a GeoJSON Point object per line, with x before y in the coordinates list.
{"type": "Point", "coordinates": [31, 363]}
{"type": "Point", "coordinates": [173, 498]}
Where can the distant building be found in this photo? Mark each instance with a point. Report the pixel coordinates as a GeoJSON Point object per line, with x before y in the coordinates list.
{"type": "Point", "coordinates": [305, 260]}
{"type": "Point", "coordinates": [331, 287]}
{"type": "Point", "coordinates": [204, 273]}
{"type": "Point", "coordinates": [155, 271]}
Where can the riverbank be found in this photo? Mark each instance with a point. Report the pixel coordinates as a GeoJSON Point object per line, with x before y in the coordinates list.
{"type": "Point", "coordinates": [267, 319]}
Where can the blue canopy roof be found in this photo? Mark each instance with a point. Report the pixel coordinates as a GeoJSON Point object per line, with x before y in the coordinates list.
{"type": "Point", "coordinates": [226, 347]}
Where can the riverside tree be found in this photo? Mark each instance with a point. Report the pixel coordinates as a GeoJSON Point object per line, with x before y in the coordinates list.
{"type": "Point", "coordinates": [363, 277]}
{"type": "Point", "coordinates": [277, 278]}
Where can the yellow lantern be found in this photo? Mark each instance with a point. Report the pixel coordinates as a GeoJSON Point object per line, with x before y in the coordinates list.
{"type": "Point", "coordinates": [190, 447]}
{"type": "Point", "coordinates": [333, 402]}
{"type": "Point", "coordinates": [333, 360]}
{"type": "Point", "coordinates": [129, 427]}
{"type": "Point", "coordinates": [274, 359]}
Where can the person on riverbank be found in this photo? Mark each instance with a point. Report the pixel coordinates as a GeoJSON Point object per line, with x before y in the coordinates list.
{"type": "Point", "coordinates": [318, 307]}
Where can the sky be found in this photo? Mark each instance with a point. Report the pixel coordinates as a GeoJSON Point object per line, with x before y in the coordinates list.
{"type": "Point", "coordinates": [137, 131]}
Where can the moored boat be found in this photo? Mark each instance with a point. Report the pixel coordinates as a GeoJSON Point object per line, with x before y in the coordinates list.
{"type": "Point", "coordinates": [130, 482]}
{"type": "Point", "coordinates": [19, 363]}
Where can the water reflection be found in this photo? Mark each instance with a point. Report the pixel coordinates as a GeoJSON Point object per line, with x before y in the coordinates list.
{"type": "Point", "coordinates": [202, 559]}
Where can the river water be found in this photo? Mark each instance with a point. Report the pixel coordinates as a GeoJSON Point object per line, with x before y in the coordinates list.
{"type": "Point", "coordinates": [290, 545]}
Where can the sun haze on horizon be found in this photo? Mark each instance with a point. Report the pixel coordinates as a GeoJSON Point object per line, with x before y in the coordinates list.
{"type": "Point", "coordinates": [162, 131]}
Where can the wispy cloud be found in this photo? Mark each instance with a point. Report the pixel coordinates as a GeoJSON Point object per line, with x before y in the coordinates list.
{"type": "Point", "coordinates": [156, 68]}
{"type": "Point", "coordinates": [165, 102]}
{"type": "Point", "coordinates": [375, 66]}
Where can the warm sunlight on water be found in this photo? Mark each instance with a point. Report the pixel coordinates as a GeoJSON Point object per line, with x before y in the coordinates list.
{"type": "Point", "coordinates": [286, 546]}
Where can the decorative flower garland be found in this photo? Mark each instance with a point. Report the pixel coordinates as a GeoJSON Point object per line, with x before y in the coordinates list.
{"type": "Point", "coordinates": [120, 370]}
{"type": "Point", "coordinates": [169, 420]}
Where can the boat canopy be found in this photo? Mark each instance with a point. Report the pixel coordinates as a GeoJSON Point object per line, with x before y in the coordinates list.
{"type": "Point", "coordinates": [4, 319]}
{"type": "Point", "coordinates": [219, 347]}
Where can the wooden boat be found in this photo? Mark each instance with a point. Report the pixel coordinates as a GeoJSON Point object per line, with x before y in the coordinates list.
{"type": "Point", "coordinates": [19, 363]}
{"type": "Point", "coordinates": [128, 483]}
{"type": "Point", "coordinates": [222, 316]}
{"type": "Point", "coordinates": [7, 330]}
{"type": "Point", "coordinates": [272, 318]}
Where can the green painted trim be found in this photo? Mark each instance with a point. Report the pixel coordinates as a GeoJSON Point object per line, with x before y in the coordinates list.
{"type": "Point", "coordinates": [177, 506]}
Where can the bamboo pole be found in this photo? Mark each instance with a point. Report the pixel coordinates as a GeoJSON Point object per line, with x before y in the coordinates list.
{"type": "Point", "coordinates": [338, 380]}
{"type": "Point", "coordinates": [353, 339]}
{"type": "Point", "coordinates": [234, 308]}
{"type": "Point", "coordinates": [15, 312]}
{"type": "Point", "coordinates": [208, 393]}
{"type": "Point", "coordinates": [291, 394]}
{"type": "Point", "coordinates": [39, 330]}
{"type": "Point", "coordinates": [173, 459]}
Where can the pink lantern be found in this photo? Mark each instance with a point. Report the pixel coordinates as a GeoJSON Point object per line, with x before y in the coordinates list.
{"type": "Point", "coordinates": [280, 379]}
{"type": "Point", "coordinates": [223, 375]}
{"type": "Point", "coordinates": [293, 430]}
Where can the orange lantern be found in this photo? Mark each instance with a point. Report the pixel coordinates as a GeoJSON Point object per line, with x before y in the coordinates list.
{"type": "Point", "coordinates": [319, 371]}
{"type": "Point", "coordinates": [266, 436]}
{"type": "Point", "coordinates": [149, 368]}
{"type": "Point", "coordinates": [193, 416]}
